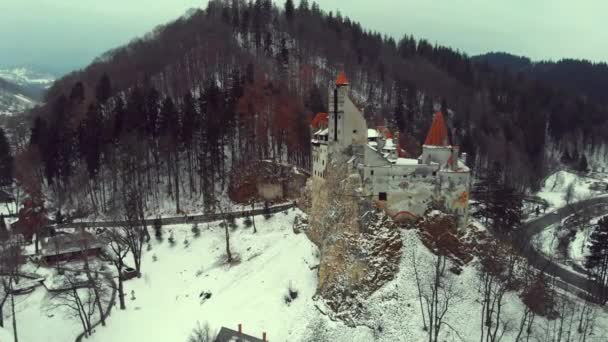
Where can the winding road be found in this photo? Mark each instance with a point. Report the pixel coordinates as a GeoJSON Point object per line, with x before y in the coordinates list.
{"type": "Point", "coordinates": [569, 280]}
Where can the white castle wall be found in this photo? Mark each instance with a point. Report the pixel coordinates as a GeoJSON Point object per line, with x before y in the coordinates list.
{"type": "Point", "coordinates": [319, 159]}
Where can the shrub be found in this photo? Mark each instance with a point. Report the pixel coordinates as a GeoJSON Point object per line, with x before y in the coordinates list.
{"type": "Point", "coordinates": [202, 333]}
{"type": "Point", "coordinates": [248, 222]}
{"type": "Point", "coordinates": [186, 243]}
{"type": "Point", "coordinates": [172, 239]}
{"type": "Point", "coordinates": [158, 232]}
{"type": "Point", "coordinates": [196, 230]}
{"type": "Point", "coordinates": [266, 211]}
{"type": "Point", "coordinates": [154, 258]}
{"type": "Point", "coordinates": [292, 294]}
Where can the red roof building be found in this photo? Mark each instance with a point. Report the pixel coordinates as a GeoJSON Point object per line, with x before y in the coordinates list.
{"type": "Point", "coordinates": [438, 134]}
{"type": "Point", "coordinates": [320, 121]}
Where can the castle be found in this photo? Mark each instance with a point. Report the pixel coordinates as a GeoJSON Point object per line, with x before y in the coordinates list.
{"type": "Point", "coordinates": [405, 187]}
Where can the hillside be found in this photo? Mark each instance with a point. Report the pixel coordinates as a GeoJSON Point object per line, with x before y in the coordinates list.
{"type": "Point", "coordinates": [220, 87]}
{"type": "Point", "coordinates": [13, 99]}
{"type": "Point", "coordinates": [578, 76]}
{"type": "Point", "coordinates": [22, 88]}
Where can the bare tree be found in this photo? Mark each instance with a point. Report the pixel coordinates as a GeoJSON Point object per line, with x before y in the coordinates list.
{"type": "Point", "coordinates": [119, 246]}
{"type": "Point", "coordinates": [96, 284]}
{"type": "Point", "coordinates": [570, 193]}
{"type": "Point", "coordinates": [135, 229]}
{"type": "Point", "coordinates": [80, 302]}
{"type": "Point", "coordinates": [437, 284]}
{"type": "Point", "coordinates": [496, 276]}
{"type": "Point", "coordinates": [11, 257]}
{"type": "Point", "coordinates": [226, 231]}
{"type": "Point", "coordinates": [202, 333]}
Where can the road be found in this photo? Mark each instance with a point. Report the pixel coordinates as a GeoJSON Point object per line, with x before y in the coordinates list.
{"type": "Point", "coordinates": [181, 219]}
{"type": "Point", "coordinates": [566, 279]}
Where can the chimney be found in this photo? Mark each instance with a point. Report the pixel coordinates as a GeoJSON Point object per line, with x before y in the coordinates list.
{"type": "Point", "coordinates": [264, 336]}
{"type": "Point", "coordinates": [240, 328]}
{"type": "Point", "coordinates": [455, 150]}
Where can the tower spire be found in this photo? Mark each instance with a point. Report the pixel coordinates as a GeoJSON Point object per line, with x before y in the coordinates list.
{"type": "Point", "coordinates": [438, 134]}
{"type": "Point", "coordinates": [341, 80]}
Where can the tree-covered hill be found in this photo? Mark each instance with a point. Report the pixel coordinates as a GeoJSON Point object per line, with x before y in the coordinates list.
{"type": "Point", "coordinates": [174, 111]}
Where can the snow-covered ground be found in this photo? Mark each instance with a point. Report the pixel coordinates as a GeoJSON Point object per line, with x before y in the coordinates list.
{"type": "Point", "coordinates": [166, 304]}
{"type": "Point", "coordinates": [555, 188]}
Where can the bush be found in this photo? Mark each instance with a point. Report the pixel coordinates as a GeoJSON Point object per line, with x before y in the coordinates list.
{"type": "Point", "coordinates": [158, 225]}
{"type": "Point", "coordinates": [154, 258]}
{"type": "Point", "coordinates": [172, 239]}
{"type": "Point", "coordinates": [292, 294]}
{"type": "Point", "coordinates": [231, 222]}
{"type": "Point", "coordinates": [196, 230]}
{"type": "Point", "coordinates": [202, 333]}
{"type": "Point", "coordinates": [186, 243]}
{"type": "Point", "coordinates": [267, 213]}
{"type": "Point", "coordinates": [248, 222]}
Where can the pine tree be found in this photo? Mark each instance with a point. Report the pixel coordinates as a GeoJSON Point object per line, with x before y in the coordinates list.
{"type": "Point", "coordinates": [597, 260]}
{"type": "Point", "coordinates": [582, 164]}
{"type": "Point", "coordinates": [6, 161]}
{"type": "Point", "coordinates": [399, 112]}
{"type": "Point", "coordinates": [289, 10]}
{"type": "Point", "coordinates": [103, 90]}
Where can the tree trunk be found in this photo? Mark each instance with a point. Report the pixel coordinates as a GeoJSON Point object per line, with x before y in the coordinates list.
{"type": "Point", "coordinates": [15, 337]}
{"type": "Point", "coordinates": [227, 242]}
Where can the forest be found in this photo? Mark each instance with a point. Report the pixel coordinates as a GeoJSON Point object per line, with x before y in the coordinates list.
{"type": "Point", "coordinates": [178, 109]}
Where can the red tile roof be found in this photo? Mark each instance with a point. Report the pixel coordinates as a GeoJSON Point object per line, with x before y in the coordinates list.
{"type": "Point", "coordinates": [320, 120]}
{"type": "Point", "coordinates": [341, 79]}
{"type": "Point", "coordinates": [438, 134]}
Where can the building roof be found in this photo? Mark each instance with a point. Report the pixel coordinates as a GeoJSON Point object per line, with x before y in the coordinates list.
{"type": "Point", "coordinates": [320, 120]}
{"type": "Point", "coordinates": [322, 132]}
{"type": "Point", "coordinates": [341, 80]}
{"type": "Point", "coordinates": [229, 335]}
{"type": "Point", "coordinates": [69, 243]}
{"type": "Point", "coordinates": [438, 134]}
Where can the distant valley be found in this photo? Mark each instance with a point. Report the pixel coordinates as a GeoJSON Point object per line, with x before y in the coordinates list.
{"type": "Point", "coordinates": [22, 88]}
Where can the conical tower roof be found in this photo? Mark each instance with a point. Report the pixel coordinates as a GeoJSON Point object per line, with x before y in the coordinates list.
{"type": "Point", "coordinates": [341, 80]}
{"type": "Point", "coordinates": [438, 134]}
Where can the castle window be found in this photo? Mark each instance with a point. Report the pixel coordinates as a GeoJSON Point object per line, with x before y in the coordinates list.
{"type": "Point", "coordinates": [355, 131]}
{"type": "Point", "coordinates": [382, 196]}
{"type": "Point", "coordinates": [371, 172]}
{"type": "Point", "coordinates": [434, 173]}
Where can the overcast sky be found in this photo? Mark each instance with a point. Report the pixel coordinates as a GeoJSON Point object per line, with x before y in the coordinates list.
{"type": "Point", "coordinates": [68, 34]}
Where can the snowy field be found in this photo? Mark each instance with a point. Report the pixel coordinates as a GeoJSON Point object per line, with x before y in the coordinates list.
{"type": "Point", "coordinates": [556, 186]}
{"type": "Point", "coordinates": [165, 304]}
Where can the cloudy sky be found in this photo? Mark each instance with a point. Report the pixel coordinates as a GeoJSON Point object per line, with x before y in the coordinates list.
{"type": "Point", "coordinates": [67, 34]}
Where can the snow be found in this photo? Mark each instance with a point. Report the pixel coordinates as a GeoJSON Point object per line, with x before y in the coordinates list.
{"type": "Point", "coordinates": [372, 133]}
{"type": "Point", "coordinates": [250, 292]}
{"type": "Point", "coordinates": [164, 305]}
{"type": "Point", "coordinates": [23, 76]}
{"type": "Point", "coordinates": [25, 99]}
{"type": "Point", "coordinates": [406, 161]}
{"type": "Point", "coordinates": [555, 187]}
{"type": "Point", "coordinates": [546, 241]}
{"type": "Point", "coordinates": [579, 249]}
{"type": "Point", "coordinates": [389, 145]}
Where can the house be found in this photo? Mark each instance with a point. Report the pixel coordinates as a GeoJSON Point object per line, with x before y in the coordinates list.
{"type": "Point", "coordinates": [229, 335]}
{"type": "Point", "coordinates": [405, 187]}
{"type": "Point", "coordinates": [68, 247]}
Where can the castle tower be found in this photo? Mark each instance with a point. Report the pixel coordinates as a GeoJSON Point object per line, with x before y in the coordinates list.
{"type": "Point", "coordinates": [337, 97]}
{"type": "Point", "coordinates": [436, 148]}
{"type": "Point", "coordinates": [438, 133]}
